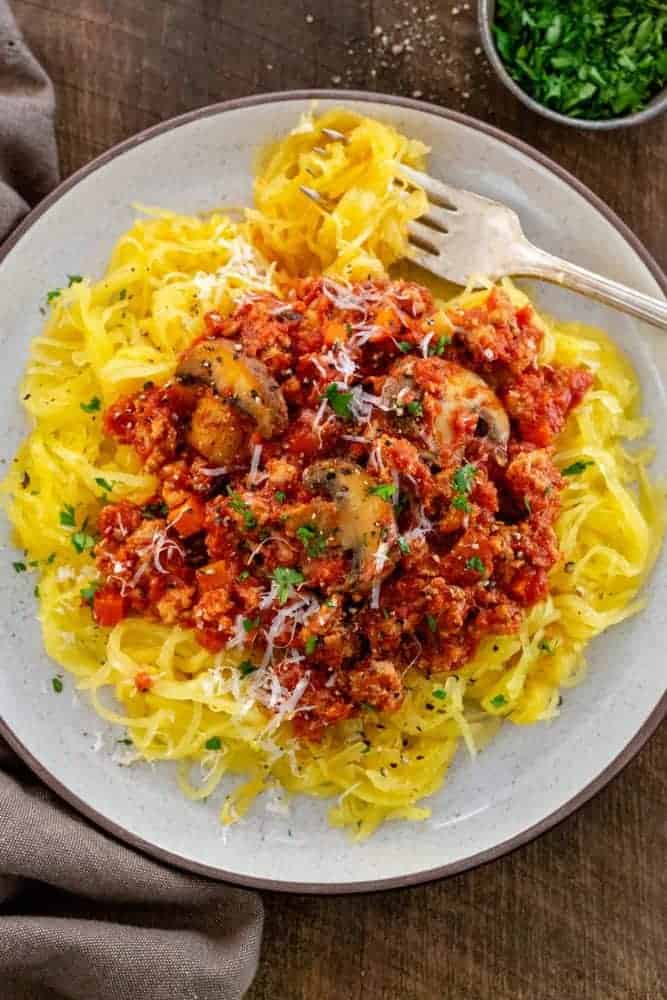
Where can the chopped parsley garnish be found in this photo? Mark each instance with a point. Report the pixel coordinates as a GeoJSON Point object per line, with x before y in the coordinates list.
{"type": "Point", "coordinates": [36, 590]}
{"type": "Point", "coordinates": [476, 565]}
{"type": "Point", "coordinates": [404, 346]}
{"type": "Point", "coordinates": [241, 507]}
{"type": "Point", "coordinates": [214, 743]}
{"type": "Point", "coordinates": [51, 557]}
{"type": "Point", "coordinates": [439, 693]}
{"type": "Point", "coordinates": [67, 516]}
{"type": "Point", "coordinates": [246, 667]}
{"type": "Point", "coordinates": [243, 575]}
{"type": "Point", "coordinates": [280, 496]}
{"type": "Point", "coordinates": [462, 503]}
{"type": "Point", "coordinates": [57, 684]}
{"type": "Point", "coordinates": [387, 491]}
{"type": "Point", "coordinates": [403, 545]}
{"type": "Point", "coordinates": [19, 567]}
{"type": "Point", "coordinates": [285, 578]}
{"type": "Point", "coordinates": [546, 646]}
{"type": "Point", "coordinates": [92, 406]}
{"type": "Point", "coordinates": [82, 541]}
{"type": "Point", "coordinates": [313, 540]}
{"type": "Point", "coordinates": [415, 408]}
{"type": "Point", "coordinates": [463, 478]}
{"type": "Point", "coordinates": [88, 593]}
{"type": "Point", "coordinates": [249, 624]}
{"type": "Point", "coordinates": [462, 481]}
{"type": "Point", "coordinates": [439, 346]}
{"type": "Point", "coordinates": [126, 742]}
{"type": "Point", "coordinates": [104, 484]}
{"type": "Point", "coordinates": [432, 623]}
{"type": "Point", "coordinates": [577, 467]}
{"type": "Point", "coordinates": [338, 401]}
{"type": "Point", "coordinates": [73, 279]}
{"type": "Point", "coordinates": [499, 700]}
{"type": "Point", "coordinates": [155, 510]}
{"type": "Point", "coordinates": [311, 644]}
{"type": "Point", "coordinates": [52, 295]}
{"type": "Point", "coordinates": [587, 58]}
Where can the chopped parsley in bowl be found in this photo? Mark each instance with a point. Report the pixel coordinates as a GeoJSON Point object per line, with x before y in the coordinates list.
{"type": "Point", "coordinates": [598, 62]}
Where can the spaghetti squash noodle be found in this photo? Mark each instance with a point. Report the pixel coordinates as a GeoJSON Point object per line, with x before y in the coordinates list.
{"type": "Point", "coordinates": [299, 523]}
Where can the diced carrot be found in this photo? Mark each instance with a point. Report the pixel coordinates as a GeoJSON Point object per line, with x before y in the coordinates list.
{"type": "Point", "coordinates": [143, 682]}
{"type": "Point", "coordinates": [335, 332]}
{"type": "Point", "coordinates": [109, 607]}
{"type": "Point", "coordinates": [188, 517]}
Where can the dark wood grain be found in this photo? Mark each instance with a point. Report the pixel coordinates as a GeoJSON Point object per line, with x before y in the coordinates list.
{"type": "Point", "coordinates": [579, 913]}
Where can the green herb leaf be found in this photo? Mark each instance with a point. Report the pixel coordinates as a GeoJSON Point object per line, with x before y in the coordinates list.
{"type": "Point", "coordinates": [499, 700]}
{"type": "Point", "coordinates": [92, 406]}
{"type": "Point", "coordinates": [437, 349]}
{"type": "Point", "coordinates": [241, 507]}
{"type": "Point", "coordinates": [403, 545]}
{"type": "Point", "coordinates": [313, 540]}
{"type": "Point", "coordinates": [88, 593]}
{"type": "Point", "coordinates": [285, 579]}
{"type": "Point", "coordinates": [462, 503]}
{"type": "Point", "coordinates": [280, 496]}
{"type": "Point", "coordinates": [476, 565]}
{"type": "Point", "coordinates": [243, 575]}
{"type": "Point", "coordinates": [246, 667]}
{"type": "Point", "coordinates": [82, 541]}
{"type": "Point", "coordinates": [249, 624]}
{"type": "Point", "coordinates": [439, 693]}
{"type": "Point", "coordinates": [57, 684]}
{"type": "Point", "coordinates": [386, 491]}
{"type": "Point", "coordinates": [577, 467]}
{"type": "Point", "coordinates": [19, 567]}
{"type": "Point", "coordinates": [52, 295]}
{"type": "Point", "coordinates": [73, 279]}
{"type": "Point", "coordinates": [339, 401]}
{"type": "Point", "coordinates": [104, 484]}
{"type": "Point", "coordinates": [67, 518]}
{"type": "Point", "coordinates": [311, 644]}
{"type": "Point", "coordinates": [213, 743]}
{"type": "Point", "coordinates": [415, 408]}
{"type": "Point", "coordinates": [464, 478]}
{"type": "Point", "coordinates": [404, 346]}
{"type": "Point", "coordinates": [432, 623]}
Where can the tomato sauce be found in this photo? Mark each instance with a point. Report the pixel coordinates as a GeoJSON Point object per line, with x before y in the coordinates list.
{"type": "Point", "coordinates": [350, 481]}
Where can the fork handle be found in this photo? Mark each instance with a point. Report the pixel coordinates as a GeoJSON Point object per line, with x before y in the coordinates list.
{"type": "Point", "coordinates": [536, 263]}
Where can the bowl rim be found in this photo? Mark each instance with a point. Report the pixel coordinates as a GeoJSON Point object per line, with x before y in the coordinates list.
{"type": "Point", "coordinates": [632, 747]}
{"type": "Point", "coordinates": [485, 17]}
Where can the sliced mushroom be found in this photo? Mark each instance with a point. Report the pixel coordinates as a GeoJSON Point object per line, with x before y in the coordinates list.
{"type": "Point", "coordinates": [465, 395]}
{"type": "Point", "coordinates": [366, 523]}
{"type": "Point", "coordinates": [246, 380]}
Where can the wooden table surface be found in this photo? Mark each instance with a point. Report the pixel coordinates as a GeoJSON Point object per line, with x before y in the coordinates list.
{"type": "Point", "coordinates": [579, 913]}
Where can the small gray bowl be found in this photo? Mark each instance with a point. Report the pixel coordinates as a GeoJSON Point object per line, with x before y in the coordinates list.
{"type": "Point", "coordinates": [487, 9]}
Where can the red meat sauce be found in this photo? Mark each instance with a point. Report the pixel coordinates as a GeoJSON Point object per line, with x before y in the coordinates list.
{"type": "Point", "coordinates": [350, 482]}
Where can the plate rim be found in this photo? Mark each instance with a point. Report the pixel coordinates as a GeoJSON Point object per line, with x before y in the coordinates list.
{"type": "Point", "coordinates": [631, 748]}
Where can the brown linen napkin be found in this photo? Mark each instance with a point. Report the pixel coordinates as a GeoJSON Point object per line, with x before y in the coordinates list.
{"type": "Point", "coordinates": [82, 917]}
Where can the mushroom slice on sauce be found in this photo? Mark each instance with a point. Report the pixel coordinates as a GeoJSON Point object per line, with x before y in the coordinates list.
{"type": "Point", "coordinates": [243, 379]}
{"type": "Point", "coordinates": [366, 523]}
{"type": "Point", "coordinates": [456, 414]}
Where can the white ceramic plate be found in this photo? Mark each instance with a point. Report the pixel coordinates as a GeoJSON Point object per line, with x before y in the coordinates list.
{"type": "Point", "coordinates": [529, 778]}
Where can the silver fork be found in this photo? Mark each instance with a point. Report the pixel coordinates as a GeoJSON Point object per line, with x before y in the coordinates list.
{"type": "Point", "coordinates": [464, 237]}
